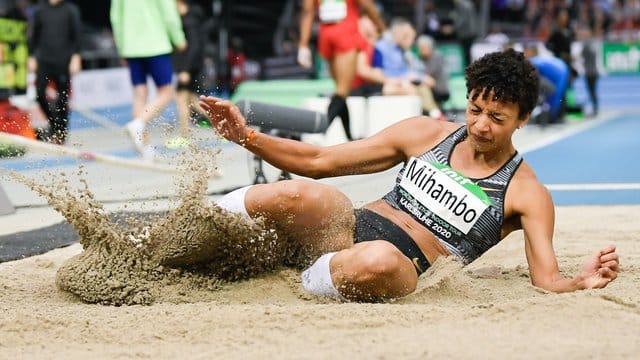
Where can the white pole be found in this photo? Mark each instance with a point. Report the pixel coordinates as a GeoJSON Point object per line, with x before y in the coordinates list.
{"type": "Point", "coordinates": [47, 148]}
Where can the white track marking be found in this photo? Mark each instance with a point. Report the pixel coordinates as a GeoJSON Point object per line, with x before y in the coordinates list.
{"type": "Point", "coordinates": [52, 149]}
{"type": "Point", "coordinates": [593, 187]}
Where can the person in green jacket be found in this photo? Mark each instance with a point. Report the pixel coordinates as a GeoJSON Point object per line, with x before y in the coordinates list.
{"type": "Point", "coordinates": [146, 32]}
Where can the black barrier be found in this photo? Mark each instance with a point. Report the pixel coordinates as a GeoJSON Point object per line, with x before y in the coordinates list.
{"type": "Point", "coordinates": [283, 121]}
{"type": "Point", "coordinates": [278, 117]}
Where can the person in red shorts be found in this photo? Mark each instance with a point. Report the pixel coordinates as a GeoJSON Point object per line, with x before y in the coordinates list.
{"type": "Point", "coordinates": [339, 42]}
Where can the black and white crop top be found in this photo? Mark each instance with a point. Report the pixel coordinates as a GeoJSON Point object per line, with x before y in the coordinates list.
{"type": "Point", "coordinates": [464, 214]}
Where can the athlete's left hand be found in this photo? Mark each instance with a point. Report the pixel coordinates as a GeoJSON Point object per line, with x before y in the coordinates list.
{"type": "Point", "coordinates": [600, 269]}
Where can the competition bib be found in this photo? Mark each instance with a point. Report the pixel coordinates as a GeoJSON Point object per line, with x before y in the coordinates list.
{"type": "Point", "coordinates": [332, 11]}
{"type": "Point", "coordinates": [441, 198]}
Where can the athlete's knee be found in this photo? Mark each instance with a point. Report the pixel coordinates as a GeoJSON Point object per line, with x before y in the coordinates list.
{"type": "Point", "coordinates": [378, 260]}
{"type": "Point", "coordinates": [375, 271]}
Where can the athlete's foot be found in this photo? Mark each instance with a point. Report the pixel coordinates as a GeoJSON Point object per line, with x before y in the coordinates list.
{"type": "Point", "coordinates": [135, 130]}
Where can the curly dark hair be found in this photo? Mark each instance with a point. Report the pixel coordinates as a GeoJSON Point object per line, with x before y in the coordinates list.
{"type": "Point", "coordinates": [510, 76]}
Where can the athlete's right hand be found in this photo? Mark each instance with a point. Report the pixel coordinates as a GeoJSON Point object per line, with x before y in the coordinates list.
{"type": "Point", "coordinates": [226, 118]}
{"type": "Point", "coordinates": [600, 269]}
{"type": "Point", "coordinates": [304, 57]}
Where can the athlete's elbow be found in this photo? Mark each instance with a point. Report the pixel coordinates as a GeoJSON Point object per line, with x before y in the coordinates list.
{"type": "Point", "coordinates": [554, 284]}
{"type": "Point", "coordinates": [544, 285]}
{"type": "Point", "coordinates": [317, 173]}
{"type": "Point", "coordinates": [318, 169]}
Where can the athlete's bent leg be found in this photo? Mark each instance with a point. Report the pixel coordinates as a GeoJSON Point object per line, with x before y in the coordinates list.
{"type": "Point", "coordinates": [373, 271]}
{"type": "Point", "coordinates": [314, 218]}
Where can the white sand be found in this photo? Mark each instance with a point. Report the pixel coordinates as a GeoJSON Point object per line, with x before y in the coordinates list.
{"type": "Point", "coordinates": [486, 310]}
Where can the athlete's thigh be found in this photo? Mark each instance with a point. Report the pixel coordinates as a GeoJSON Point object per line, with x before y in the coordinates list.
{"type": "Point", "coordinates": [307, 212]}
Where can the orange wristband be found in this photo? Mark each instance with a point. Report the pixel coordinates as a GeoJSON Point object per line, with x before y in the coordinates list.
{"type": "Point", "coordinates": [250, 136]}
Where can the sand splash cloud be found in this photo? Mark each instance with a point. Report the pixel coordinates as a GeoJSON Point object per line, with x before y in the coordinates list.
{"type": "Point", "coordinates": [196, 246]}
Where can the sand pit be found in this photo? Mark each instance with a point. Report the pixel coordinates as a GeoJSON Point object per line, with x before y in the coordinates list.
{"type": "Point", "coordinates": [194, 246]}
{"type": "Point", "coordinates": [487, 310]}
{"type": "Point", "coordinates": [111, 296]}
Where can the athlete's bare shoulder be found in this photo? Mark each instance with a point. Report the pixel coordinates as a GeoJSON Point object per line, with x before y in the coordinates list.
{"type": "Point", "coordinates": [526, 175]}
{"type": "Point", "coordinates": [526, 189]}
{"type": "Point", "coordinates": [417, 133]}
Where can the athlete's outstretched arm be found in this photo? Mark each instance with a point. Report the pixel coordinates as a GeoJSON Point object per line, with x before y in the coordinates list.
{"type": "Point", "coordinates": [537, 218]}
{"type": "Point", "coordinates": [376, 153]}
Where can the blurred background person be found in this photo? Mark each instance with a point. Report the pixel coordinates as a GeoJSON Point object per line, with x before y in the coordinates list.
{"type": "Point", "coordinates": [54, 48]}
{"type": "Point", "coordinates": [589, 55]}
{"type": "Point", "coordinates": [559, 41]}
{"type": "Point", "coordinates": [393, 55]}
{"type": "Point", "coordinates": [145, 34]}
{"type": "Point", "coordinates": [432, 21]}
{"type": "Point", "coordinates": [465, 26]}
{"type": "Point", "coordinates": [370, 80]}
{"type": "Point", "coordinates": [188, 65]}
{"type": "Point", "coordinates": [555, 74]}
{"type": "Point", "coordinates": [497, 37]}
{"type": "Point", "coordinates": [434, 69]}
{"type": "Point", "coordinates": [338, 43]}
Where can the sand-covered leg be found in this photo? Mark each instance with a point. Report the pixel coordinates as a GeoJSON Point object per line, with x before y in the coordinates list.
{"type": "Point", "coordinates": [204, 235]}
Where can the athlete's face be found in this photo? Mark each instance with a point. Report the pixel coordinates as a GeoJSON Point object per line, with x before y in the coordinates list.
{"type": "Point", "coordinates": [491, 123]}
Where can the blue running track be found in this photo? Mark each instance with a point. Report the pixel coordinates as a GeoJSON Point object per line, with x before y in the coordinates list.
{"type": "Point", "coordinates": [598, 166]}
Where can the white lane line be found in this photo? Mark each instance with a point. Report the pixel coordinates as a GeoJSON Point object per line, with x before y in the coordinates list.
{"type": "Point", "coordinates": [592, 187]}
{"type": "Point", "coordinates": [569, 131]}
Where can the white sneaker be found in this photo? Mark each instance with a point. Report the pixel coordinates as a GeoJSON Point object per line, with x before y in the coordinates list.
{"type": "Point", "coordinates": [148, 153]}
{"type": "Point", "coordinates": [135, 129]}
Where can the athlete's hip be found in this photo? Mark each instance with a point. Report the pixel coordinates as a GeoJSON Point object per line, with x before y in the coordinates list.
{"type": "Point", "coordinates": [426, 241]}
